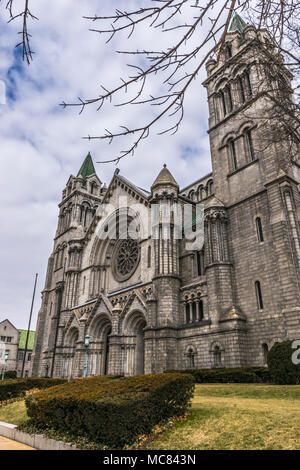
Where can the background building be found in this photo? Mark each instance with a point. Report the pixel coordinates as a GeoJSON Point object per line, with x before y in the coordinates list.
{"type": "Point", "coordinates": [21, 352]}
{"type": "Point", "coordinates": [14, 341]}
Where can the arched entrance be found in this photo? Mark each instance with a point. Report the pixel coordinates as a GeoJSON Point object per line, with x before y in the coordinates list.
{"type": "Point", "coordinates": [134, 360]}
{"type": "Point", "coordinates": [99, 332]}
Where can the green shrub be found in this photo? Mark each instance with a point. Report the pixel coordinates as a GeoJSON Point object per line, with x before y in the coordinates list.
{"type": "Point", "coordinates": [234, 375]}
{"type": "Point", "coordinates": [280, 364]}
{"type": "Point", "coordinates": [262, 373]}
{"type": "Point", "coordinates": [12, 388]}
{"type": "Point", "coordinates": [10, 374]}
{"type": "Point", "coordinates": [112, 412]}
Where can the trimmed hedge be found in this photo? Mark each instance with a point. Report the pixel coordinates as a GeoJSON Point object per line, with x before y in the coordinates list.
{"type": "Point", "coordinates": [234, 375]}
{"type": "Point", "coordinates": [280, 364]}
{"type": "Point", "coordinates": [10, 374]}
{"type": "Point", "coordinates": [13, 388]}
{"type": "Point", "coordinates": [111, 412]}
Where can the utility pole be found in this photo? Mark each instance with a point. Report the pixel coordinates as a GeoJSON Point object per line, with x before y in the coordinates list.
{"type": "Point", "coordinates": [28, 330]}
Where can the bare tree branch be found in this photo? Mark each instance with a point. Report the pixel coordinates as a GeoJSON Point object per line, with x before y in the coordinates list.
{"type": "Point", "coordinates": [176, 66]}
{"type": "Point", "coordinates": [25, 15]}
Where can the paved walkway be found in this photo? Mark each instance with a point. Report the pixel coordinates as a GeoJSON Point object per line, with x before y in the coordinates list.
{"type": "Point", "coordinates": [8, 444]}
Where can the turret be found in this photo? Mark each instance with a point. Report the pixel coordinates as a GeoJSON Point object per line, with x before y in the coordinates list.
{"type": "Point", "coordinates": [165, 304]}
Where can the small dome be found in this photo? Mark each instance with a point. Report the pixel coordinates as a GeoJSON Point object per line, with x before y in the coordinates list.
{"type": "Point", "coordinates": [164, 178]}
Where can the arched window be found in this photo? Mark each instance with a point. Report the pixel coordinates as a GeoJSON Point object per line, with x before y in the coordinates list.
{"type": "Point", "coordinates": [62, 252]}
{"type": "Point", "coordinates": [149, 257]}
{"type": "Point", "coordinates": [85, 216]}
{"type": "Point", "coordinates": [56, 259]}
{"type": "Point", "coordinates": [259, 230]}
{"type": "Point", "coordinates": [249, 144]}
{"type": "Point", "coordinates": [194, 312]}
{"type": "Point", "coordinates": [200, 263]}
{"type": "Point", "coordinates": [244, 86]}
{"type": "Point", "coordinates": [241, 89]}
{"type": "Point", "coordinates": [223, 101]}
{"type": "Point", "coordinates": [210, 186]}
{"type": "Point", "coordinates": [191, 358]}
{"type": "Point", "coordinates": [85, 212]}
{"type": "Point", "coordinates": [228, 99]}
{"type": "Point", "coordinates": [192, 195]}
{"type": "Point", "coordinates": [217, 356]}
{"type": "Point", "coordinates": [69, 215]}
{"type": "Point", "coordinates": [232, 151]}
{"type": "Point", "coordinates": [228, 50]}
{"type": "Point", "coordinates": [248, 83]}
{"type": "Point", "coordinates": [265, 350]}
{"type": "Point", "coordinates": [187, 312]}
{"type": "Point", "coordinates": [201, 193]}
{"type": "Point", "coordinates": [64, 220]}
{"type": "Point", "coordinates": [259, 298]}
{"type": "Point", "coordinates": [201, 313]}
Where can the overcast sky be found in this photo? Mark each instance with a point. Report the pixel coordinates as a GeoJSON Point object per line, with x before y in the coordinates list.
{"type": "Point", "coordinates": [41, 144]}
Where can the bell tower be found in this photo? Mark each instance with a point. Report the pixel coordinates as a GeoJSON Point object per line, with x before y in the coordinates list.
{"type": "Point", "coordinates": [256, 169]}
{"type": "Point", "coordinates": [244, 83]}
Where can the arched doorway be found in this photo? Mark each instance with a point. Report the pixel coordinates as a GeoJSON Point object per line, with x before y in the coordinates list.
{"type": "Point", "coordinates": [99, 332]}
{"type": "Point", "coordinates": [134, 360]}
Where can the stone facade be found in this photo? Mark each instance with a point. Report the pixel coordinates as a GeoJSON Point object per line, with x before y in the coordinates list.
{"type": "Point", "coordinates": [153, 304]}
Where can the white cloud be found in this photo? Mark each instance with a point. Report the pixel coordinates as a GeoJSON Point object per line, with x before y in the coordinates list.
{"type": "Point", "coordinates": [41, 143]}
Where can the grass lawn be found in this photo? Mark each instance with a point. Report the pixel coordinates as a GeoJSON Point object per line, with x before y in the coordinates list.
{"type": "Point", "coordinates": [224, 416]}
{"type": "Point", "coordinates": [14, 413]}
{"type": "Point", "coordinates": [238, 416]}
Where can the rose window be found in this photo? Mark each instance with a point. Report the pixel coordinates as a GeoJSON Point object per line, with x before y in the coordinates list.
{"type": "Point", "coordinates": [126, 258]}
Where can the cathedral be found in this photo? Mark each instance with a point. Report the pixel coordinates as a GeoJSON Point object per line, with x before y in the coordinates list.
{"type": "Point", "coordinates": [134, 303]}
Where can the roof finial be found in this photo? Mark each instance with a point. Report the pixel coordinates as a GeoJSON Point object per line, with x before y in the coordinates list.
{"type": "Point", "coordinates": [164, 165]}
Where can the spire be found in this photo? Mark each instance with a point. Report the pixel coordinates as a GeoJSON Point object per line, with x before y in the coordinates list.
{"type": "Point", "coordinates": [87, 168]}
{"type": "Point", "coordinates": [164, 178]}
{"type": "Point", "coordinates": [237, 23]}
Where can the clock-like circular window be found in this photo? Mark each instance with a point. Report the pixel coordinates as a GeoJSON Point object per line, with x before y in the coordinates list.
{"type": "Point", "coordinates": [126, 259]}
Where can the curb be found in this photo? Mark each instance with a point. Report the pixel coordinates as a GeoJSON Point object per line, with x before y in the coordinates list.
{"type": "Point", "coordinates": [37, 441]}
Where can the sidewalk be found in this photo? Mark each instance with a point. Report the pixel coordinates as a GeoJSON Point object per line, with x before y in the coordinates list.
{"type": "Point", "coordinates": [8, 444]}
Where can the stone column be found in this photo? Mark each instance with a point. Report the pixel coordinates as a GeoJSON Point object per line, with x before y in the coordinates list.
{"type": "Point", "coordinates": [218, 266]}
{"type": "Point", "coordinates": [114, 360]}
{"type": "Point", "coordinates": [149, 334]}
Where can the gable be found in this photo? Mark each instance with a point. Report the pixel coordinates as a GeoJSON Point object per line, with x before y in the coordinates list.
{"type": "Point", "coordinates": [9, 325]}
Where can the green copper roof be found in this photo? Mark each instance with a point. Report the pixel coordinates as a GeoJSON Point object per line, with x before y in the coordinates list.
{"type": "Point", "coordinates": [22, 341]}
{"type": "Point", "coordinates": [87, 168]}
{"type": "Point", "coordinates": [237, 23]}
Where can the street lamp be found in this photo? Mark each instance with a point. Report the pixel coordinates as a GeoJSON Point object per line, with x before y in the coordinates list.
{"type": "Point", "coordinates": [4, 367]}
{"type": "Point", "coordinates": [86, 344]}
